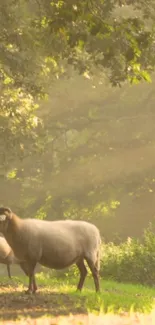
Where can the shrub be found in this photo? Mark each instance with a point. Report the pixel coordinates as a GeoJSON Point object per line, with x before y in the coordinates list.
{"type": "Point", "coordinates": [132, 261]}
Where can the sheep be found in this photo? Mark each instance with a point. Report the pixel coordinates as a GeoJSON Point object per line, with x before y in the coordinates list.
{"type": "Point", "coordinates": [53, 244]}
{"type": "Point", "coordinates": [6, 254]}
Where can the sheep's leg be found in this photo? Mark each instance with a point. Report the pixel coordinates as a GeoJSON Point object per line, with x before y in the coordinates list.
{"type": "Point", "coordinates": [95, 273]}
{"type": "Point", "coordinates": [24, 266]}
{"type": "Point", "coordinates": [8, 269]}
{"type": "Point", "coordinates": [34, 284]}
{"type": "Point", "coordinates": [83, 273]}
{"type": "Point", "coordinates": [28, 269]}
{"type": "Point", "coordinates": [30, 287]}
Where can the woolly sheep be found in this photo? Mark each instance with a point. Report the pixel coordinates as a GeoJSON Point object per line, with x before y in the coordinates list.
{"type": "Point", "coordinates": [53, 244]}
{"type": "Point", "coordinates": [6, 254]}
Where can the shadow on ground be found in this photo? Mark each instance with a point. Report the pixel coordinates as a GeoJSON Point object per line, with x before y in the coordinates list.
{"type": "Point", "coordinates": [51, 300]}
{"type": "Point", "coordinates": [14, 303]}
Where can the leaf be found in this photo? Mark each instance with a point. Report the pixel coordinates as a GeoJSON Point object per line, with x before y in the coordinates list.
{"type": "Point", "coordinates": [146, 76]}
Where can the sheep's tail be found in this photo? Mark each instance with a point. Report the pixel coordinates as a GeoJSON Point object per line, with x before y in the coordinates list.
{"type": "Point", "coordinates": [98, 254]}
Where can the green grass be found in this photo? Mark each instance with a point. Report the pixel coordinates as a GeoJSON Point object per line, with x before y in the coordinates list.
{"type": "Point", "coordinates": [58, 297]}
{"type": "Point", "coordinates": [113, 296]}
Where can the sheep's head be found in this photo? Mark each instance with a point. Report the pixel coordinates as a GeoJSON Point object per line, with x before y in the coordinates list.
{"type": "Point", "coordinates": [5, 216]}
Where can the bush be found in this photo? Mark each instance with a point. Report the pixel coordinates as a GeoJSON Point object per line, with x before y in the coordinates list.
{"type": "Point", "coordinates": [132, 261]}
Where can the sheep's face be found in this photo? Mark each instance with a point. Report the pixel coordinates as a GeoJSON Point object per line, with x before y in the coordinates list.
{"type": "Point", "coordinates": [5, 216]}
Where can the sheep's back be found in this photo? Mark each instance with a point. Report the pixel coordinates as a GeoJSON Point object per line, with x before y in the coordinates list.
{"type": "Point", "coordinates": [63, 232]}
{"type": "Point", "coordinates": [67, 240]}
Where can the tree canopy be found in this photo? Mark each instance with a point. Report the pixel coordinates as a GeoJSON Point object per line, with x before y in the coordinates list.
{"type": "Point", "coordinates": [39, 39]}
{"type": "Point", "coordinates": [39, 42]}
{"type": "Point", "coordinates": [38, 36]}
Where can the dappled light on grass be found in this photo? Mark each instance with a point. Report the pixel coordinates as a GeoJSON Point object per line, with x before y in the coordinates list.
{"type": "Point", "coordinates": [57, 298]}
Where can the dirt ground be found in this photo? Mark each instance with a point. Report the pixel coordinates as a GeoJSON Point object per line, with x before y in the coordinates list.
{"type": "Point", "coordinates": [52, 308]}
{"type": "Point", "coordinates": [14, 303]}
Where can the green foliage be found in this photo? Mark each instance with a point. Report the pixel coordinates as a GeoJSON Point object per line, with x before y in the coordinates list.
{"type": "Point", "coordinates": [20, 59]}
{"type": "Point", "coordinates": [18, 126]}
{"type": "Point", "coordinates": [132, 261]}
{"type": "Point", "coordinates": [40, 37]}
{"type": "Point", "coordinates": [41, 214]}
{"type": "Point", "coordinates": [39, 40]}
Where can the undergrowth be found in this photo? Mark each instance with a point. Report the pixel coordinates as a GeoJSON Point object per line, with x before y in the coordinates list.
{"type": "Point", "coordinates": [132, 261]}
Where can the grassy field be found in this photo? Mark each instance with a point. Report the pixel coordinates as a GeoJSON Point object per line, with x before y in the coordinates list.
{"type": "Point", "coordinates": [57, 298]}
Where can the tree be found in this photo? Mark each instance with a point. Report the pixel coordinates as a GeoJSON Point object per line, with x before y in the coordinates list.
{"type": "Point", "coordinates": [39, 40]}
{"type": "Point", "coordinates": [97, 34]}
{"type": "Point", "coordinates": [38, 37]}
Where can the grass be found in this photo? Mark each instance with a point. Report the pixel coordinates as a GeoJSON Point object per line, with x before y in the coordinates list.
{"type": "Point", "coordinates": [57, 297]}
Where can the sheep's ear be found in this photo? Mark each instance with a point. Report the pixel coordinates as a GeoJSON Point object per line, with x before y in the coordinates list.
{"type": "Point", "coordinates": [8, 213]}
{"type": "Point", "coordinates": [2, 217]}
